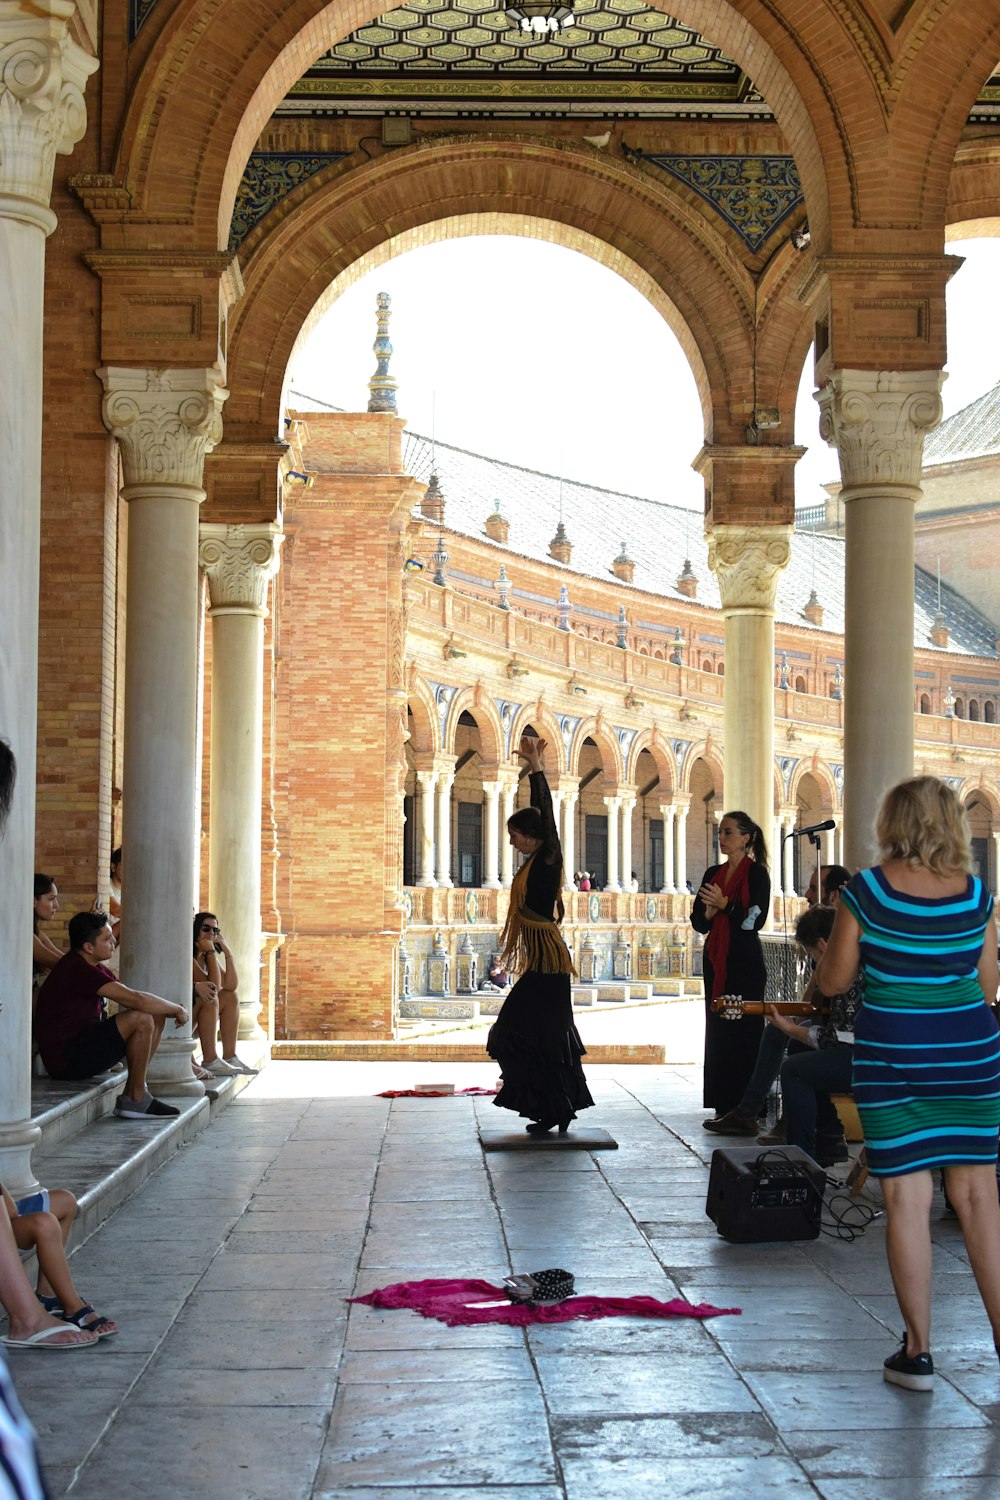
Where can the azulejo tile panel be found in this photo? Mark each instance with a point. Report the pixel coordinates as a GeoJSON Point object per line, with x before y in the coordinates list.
{"type": "Point", "coordinates": [754, 194]}
{"type": "Point", "coordinates": [269, 177]}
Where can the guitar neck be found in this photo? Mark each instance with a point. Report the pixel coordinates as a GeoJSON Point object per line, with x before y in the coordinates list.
{"type": "Point", "coordinates": [732, 1007]}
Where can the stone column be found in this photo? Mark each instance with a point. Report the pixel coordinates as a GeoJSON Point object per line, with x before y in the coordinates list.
{"type": "Point", "coordinates": [239, 562]}
{"type": "Point", "coordinates": [165, 421]}
{"type": "Point", "coordinates": [613, 804]}
{"type": "Point", "coordinates": [877, 421]}
{"type": "Point", "coordinates": [568, 835]}
{"type": "Point", "coordinates": [669, 814]}
{"type": "Point", "coordinates": [445, 781]}
{"type": "Point", "coordinates": [427, 782]}
{"type": "Point", "coordinates": [491, 821]}
{"type": "Point", "coordinates": [683, 808]}
{"type": "Point", "coordinates": [995, 861]}
{"type": "Point", "coordinates": [628, 808]}
{"type": "Point", "coordinates": [508, 794]}
{"type": "Point", "coordinates": [42, 77]}
{"type": "Point", "coordinates": [748, 561]}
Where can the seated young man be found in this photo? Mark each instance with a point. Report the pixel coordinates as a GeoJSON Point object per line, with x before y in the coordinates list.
{"type": "Point", "coordinates": [75, 1038]}
{"type": "Point", "coordinates": [821, 1063]}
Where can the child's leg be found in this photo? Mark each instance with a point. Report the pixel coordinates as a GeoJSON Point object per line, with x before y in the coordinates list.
{"type": "Point", "coordinates": [42, 1233]}
{"type": "Point", "coordinates": [63, 1205]}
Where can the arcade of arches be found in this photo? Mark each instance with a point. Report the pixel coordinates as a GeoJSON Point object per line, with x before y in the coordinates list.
{"type": "Point", "coordinates": [183, 186]}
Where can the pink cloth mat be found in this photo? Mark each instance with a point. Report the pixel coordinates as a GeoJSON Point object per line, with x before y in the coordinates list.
{"type": "Point", "coordinates": [432, 1093]}
{"type": "Point", "coordinates": [448, 1301]}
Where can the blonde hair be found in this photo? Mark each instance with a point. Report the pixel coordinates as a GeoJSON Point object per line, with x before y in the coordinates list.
{"type": "Point", "coordinates": [922, 823]}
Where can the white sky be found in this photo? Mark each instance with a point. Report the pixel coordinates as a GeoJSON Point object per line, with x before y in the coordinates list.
{"type": "Point", "coordinates": [528, 352]}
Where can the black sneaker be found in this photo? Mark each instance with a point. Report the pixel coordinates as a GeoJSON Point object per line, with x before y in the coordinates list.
{"type": "Point", "coordinates": [829, 1153]}
{"type": "Point", "coordinates": [146, 1109]}
{"type": "Point", "coordinates": [915, 1374]}
{"type": "Point", "coordinates": [732, 1123]}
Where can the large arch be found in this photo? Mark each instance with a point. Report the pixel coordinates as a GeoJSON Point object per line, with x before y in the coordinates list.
{"type": "Point", "coordinates": [803, 65]}
{"type": "Point", "coordinates": [649, 235]}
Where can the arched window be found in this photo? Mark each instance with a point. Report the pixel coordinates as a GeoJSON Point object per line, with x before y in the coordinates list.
{"type": "Point", "coordinates": [720, 670]}
{"type": "Point", "coordinates": [658, 654]}
{"type": "Point", "coordinates": [925, 704]}
{"type": "Point", "coordinates": [974, 710]}
{"type": "Point", "coordinates": [800, 685]}
{"type": "Point", "coordinates": [989, 713]}
{"type": "Point", "coordinates": [959, 708]}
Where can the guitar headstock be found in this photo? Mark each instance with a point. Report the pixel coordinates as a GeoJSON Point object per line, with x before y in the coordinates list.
{"type": "Point", "coordinates": [728, 1007]}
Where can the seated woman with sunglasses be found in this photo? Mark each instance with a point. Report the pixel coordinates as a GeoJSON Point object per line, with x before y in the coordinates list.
{"type": "Point", "coordinates": [216, 1003]}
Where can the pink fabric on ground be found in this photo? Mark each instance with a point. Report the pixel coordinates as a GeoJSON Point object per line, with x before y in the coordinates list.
{"type": "Point", "coordinates": [447, 1302]}
{"type": "Point", "coordinates": [430, 1093]}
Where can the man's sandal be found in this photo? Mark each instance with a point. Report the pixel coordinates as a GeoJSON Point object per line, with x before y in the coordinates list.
{"type": "Point", "coordinates": [100, 1325]}
{"type": "Point", "coordinates": [51, 1304]}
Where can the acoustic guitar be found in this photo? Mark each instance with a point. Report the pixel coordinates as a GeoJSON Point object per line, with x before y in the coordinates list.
{"type": "Point", "coordinates": [734, 1007]}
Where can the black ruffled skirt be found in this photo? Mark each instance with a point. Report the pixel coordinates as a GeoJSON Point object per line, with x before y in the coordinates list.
{"type": "Point", "coordinates": [539, 1049]}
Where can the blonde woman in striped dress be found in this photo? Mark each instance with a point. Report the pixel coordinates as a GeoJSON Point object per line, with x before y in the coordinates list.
{"type": "Point", "coordinates": [921, 928]}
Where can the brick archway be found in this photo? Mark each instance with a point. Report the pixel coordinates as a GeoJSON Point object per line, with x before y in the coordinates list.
{"type": "Point", "coordinates": [604, 208]}
{"type": "Point", "coordinates": [803, 64]}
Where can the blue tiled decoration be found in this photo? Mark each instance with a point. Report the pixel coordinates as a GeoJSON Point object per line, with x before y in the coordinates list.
{"type": "Point", "coordinates": [754, 194]}
{"type": "Point", "coordinates": [270, 176]}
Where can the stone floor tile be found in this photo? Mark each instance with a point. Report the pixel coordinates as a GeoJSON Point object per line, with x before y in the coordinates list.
{"type": "Point", "coordinates": [801, 1402]}
{"type": "Point", "coordinates": [167, 1381]}
{"type": "Point", "coordinates": [290, 1271]}
{"type": "Point", "coordinates": [195, 1342]}
{"type": "Point", "coordinates": [452, 1492]}
{"type": "Point", "coordinates": [632, 1384]}
{"type": "Point", "coordinates": [722, 1478]}
{"type": "Point", "coordinates": [400, 1434]}
{"type": "Point", "coordinates": [256, 1453]}
{"type": "Point", "coordinates": [927, 1452]}
{"type": "Point", "coordinates": [685, 1436]}
{"type": "Point", "coordinates": [382, 1367]}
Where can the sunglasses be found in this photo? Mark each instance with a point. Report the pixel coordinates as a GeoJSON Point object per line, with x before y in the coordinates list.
{"type": "Point", "coordinates": [206, 928]}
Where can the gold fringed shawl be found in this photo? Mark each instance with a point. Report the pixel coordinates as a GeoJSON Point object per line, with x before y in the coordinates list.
{"type": "Point", "coordinates": [529, 941]}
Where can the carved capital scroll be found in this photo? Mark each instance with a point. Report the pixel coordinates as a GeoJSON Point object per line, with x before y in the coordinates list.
{"type": "Point", "coordinates": [877, 420]}
{"type": "Point", "coordinates": [165, 422]}
{"type": "Point", "coordinates": [748, 561]}
{"type": "Point", "coordinates": [239, 561]}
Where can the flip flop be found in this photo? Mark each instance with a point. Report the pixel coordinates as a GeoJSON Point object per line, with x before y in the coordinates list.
{"type": "Point", "coordinates": [40, 1339]}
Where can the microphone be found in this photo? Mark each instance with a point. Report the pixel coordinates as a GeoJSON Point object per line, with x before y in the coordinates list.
{"type": "Point", "coordinates": [815, 828]}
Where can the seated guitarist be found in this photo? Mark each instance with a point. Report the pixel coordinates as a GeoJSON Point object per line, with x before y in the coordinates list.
{"type": "Point", "coordinates": [819, 1056]}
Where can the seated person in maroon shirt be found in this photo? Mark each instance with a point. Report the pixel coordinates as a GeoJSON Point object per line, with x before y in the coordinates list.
{"type": "Point", "coordinates": [74, 1037]}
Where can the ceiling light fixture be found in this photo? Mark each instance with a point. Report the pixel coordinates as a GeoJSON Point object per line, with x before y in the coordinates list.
{"type": "Point", "coordinates": [541, 17]}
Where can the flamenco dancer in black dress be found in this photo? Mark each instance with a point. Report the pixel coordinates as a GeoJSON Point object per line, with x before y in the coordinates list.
{"type": "Point", "coordinates": [731, 907]}
{"type": "Point", "coordinates": [534, 1039]}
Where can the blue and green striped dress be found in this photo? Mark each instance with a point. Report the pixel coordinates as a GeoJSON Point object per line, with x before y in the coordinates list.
{"type": "Point", "coordinates": [926, 1047]}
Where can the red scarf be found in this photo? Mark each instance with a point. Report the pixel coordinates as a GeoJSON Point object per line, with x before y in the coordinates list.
{"type": "Point", "coordinates": [717, 942]}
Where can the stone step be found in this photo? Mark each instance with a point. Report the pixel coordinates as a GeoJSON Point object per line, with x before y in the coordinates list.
{"type": "Point", "coordinates": [101, 1159]}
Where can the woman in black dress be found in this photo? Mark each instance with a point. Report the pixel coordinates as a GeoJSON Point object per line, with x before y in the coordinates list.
{"type": "Point", "coordinates": [534, 1039]}
{"type": "Point", "coordinates": [731, 907]}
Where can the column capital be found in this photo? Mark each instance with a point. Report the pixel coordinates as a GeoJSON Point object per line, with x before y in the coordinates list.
{"type": "Point", "coordinates": [239, 561]}
{"type": "Point", "coordinates": [748, 561]}
{"type": "Point", "coordinates": [165, 422]}
{"type": "Point", "coordinates": [43, 74]}
{"type": "Point", "coordinates": [877, 419]}
{"type": "Point", "coordinates": [612, 803]}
